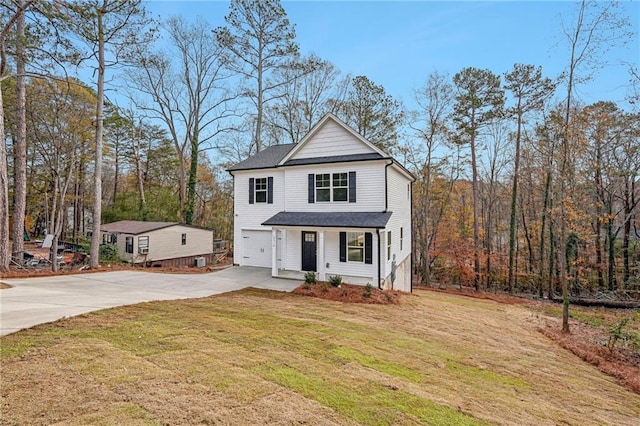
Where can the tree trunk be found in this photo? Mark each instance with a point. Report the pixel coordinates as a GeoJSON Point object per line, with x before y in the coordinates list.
{"type": "Point", "coordinates": [259, 103]}
{"type": "Point", "coordinates": [193, 175]}
{"type": "Point", "coordinates": [97, 178]}
{"type": "Point", "coordinates": [5, 255]}
{"type": "Point", "coordinates": [611, 263]}
{"type": "Point", "coordinates": [476, 227]}
{"type": "Point", "coordinates": [545, 215]}
{"type": "Point", "coordinates": [20, 148]}
{"type": "Point", "coordinates": [514, 197]}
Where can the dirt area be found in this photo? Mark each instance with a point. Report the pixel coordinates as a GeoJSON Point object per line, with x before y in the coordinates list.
{"type": "Point", "coordinates": [264, 357]}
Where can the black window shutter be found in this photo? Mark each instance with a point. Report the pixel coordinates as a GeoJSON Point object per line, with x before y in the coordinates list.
{"type": "Point", "coordinates": [343, 247]}
{"type": "Point", "coordinates": [352, 187]}
{"type": "Point", "coordinates": [270, 190]}
{"type": "Point", "coordinates": [368, 245]}
{"type": "Point", "coordinates": [251, 190]}
{"type": "Point", "coordinates": [312, 186]}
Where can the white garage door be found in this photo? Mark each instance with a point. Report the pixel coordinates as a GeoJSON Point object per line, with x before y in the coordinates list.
{"type": "Point", "coordinates": [256, 248]}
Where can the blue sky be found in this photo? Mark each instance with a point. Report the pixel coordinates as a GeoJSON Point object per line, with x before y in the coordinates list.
{"type": "Point", "coordinates": [398, 43]}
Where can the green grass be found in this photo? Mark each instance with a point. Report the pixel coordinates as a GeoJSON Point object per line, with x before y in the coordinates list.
{"type": "Point", "coordinates": [189, 362]}
{"type": "Point", "coordinates": [368, 402]}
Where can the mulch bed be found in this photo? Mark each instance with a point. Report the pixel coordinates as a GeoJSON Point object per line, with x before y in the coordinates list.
{"type": "Point", "coordinates": [349, 293]}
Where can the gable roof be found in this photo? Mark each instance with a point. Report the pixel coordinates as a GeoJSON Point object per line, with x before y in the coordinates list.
{"type": "Point", "coordinates": [267, 158]}
{"type": "Point", "coordinates": [281, 155]}
{"type": "Point", "coordinates": [316, 129]}
{"type": "Point", "coordinates": [134, 227]}
{"type": "Point", "coordinates": [331, 219]}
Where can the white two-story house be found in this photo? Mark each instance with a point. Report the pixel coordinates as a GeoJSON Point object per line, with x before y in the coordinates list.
{"type": "Point", "coordinates": [333, 203]}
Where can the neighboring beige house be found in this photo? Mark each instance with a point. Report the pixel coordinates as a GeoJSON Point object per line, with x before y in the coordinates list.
{"type": "Point", "coordinates": [160, 243]}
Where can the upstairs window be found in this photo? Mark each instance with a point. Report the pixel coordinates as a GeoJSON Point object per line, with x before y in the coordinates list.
{"type": "Point", "coordinates": [261, 190]}
{"type": "Point", "coordinates": [323, 187]}
{"type": "Point", "coordinates": [332, 187]}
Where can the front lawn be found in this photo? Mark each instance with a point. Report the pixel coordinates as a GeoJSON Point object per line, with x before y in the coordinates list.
{"type": "Point", "coordinates": [261, 357]}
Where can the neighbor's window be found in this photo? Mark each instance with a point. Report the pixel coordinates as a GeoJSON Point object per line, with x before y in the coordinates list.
{"type": "Point", "coordinates": [128, 244]}
{"type": "Point", "coordinates": [355, 246]}
{"type": "Point", "coordinates": [388, 245]}
{"type": "Point", "coordinates": [184, 239]}
{"type": "Point", "coordinates": [401, 237]}
{"type": "Point", "coordinates": [332, 187]}
{"type": "Point", "coordinates": [261, 190]}
{"type": "Point", "coordinates": [143, 243]}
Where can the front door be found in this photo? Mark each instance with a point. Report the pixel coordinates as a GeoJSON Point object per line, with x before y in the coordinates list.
{"type": "Point", "coordinates": [309, 251]}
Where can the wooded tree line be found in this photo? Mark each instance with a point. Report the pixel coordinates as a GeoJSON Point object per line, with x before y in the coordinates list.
{"type": "Point", "coordinates": [519, 185]}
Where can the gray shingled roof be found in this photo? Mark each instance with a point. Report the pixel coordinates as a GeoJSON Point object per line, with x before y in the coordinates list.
{"type": "Point", "coordinates": [330, 219]}
{"type": "Point", "coordinates": [268, 157]}
{"type": "Point", "coordinates": [334, 159]}
{"type": "Point", "coordinates": [134, 227]}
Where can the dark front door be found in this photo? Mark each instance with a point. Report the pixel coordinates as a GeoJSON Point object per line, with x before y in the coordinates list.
{"type": "Point", "coordinates": [309, 251]}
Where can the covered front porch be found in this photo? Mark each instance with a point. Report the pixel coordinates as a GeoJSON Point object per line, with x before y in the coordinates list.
{"type": "Point", "coordinates": [345, 244]}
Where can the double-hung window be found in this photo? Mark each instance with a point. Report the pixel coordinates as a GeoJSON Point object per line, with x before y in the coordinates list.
{"type": "Point", "coordinates": [323, 187]}
{"type": "Point", "coordinates": [355, 246]}
{"type": "Point", "coordinates": [261, 190]}
{"type": "Point", "coordinates": [388, 245]}
{"type": "Point", "coordinates": [332, 187]}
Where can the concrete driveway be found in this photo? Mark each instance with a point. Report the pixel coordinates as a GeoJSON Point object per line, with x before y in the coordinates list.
{"type": "Point", "coordinates": [33, 301]}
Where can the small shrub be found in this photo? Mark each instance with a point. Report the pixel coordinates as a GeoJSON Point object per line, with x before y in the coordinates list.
{"type": "Point", "coordinates": [109, 253]}
{"type": "Point", "coordinates": [389, 296]}
{"type": "Point", "coordinates": [335, 280]}
{"type": "Point", "coordinates": [310, 277]}
{"type": "Point", "coordinates": [619, 332]}
{"type": "Point", "coordinates": [367, 290]}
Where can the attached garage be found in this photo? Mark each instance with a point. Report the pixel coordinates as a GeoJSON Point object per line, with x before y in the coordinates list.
{"type": "Point", "coordinates": [256, 248]}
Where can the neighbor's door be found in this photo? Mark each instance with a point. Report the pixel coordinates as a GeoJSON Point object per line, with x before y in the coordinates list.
{"type": "Point", "coordinates": [309, 251]}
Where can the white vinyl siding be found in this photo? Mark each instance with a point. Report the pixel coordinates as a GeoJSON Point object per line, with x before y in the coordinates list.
{"type": "Point", "coordinates": [369, 187]}
{"type": "Point", "coordinates": [332, 139]}
{"type": "Point", "coordinates": [400, 205]}
{"type": "Point", "coordinates": [250, 216]}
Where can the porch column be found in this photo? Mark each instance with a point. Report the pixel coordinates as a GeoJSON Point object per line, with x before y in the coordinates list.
{"type": "Point", "coordinates": [320, 257]}
{"type": "Point", "coordinates": [274, 252]}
